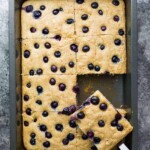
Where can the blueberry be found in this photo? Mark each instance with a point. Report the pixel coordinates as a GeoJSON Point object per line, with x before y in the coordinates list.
{"type": "Point", "coordinates": [63, 69]}
{"type": "Point", "coordinates": [74, 47]}
{"type": "Point", "coordinates": [26, 123]}
{"type": "Point", "coordinates": [72, 109]}
{"type": "Point", "coordinates": [48, 135]}
{"type": "Point", "coordinates": [26, 54]}
{"type": "Point", "coordinates": [47, 45]}
{"type": "Point", "coordinates": [102, 47]}
{"type": "Point", "coordinates": [57, 54]}
{"type": "Point", "coordinates": [45, 113]}
{"type": "Point", "coordinates": [71, 64]}
{"type": "Point", "coordinates": [100, 12]}
{"type": "Point", "coordinates": [80, 1]}
{"type": "Point", "coordinates": [76, 89]}
{"type": "Point", "coordinates": [29, 8]}
{"type": "Point", "coordinates": [39, 71]}
{"type": "Point", "coordinates": [114, 123]}
{"type": "Point", "coordinates": [84, 137]}
{"type": "Point", "coordinates": [37, 14]}
{"type": "Point", "coordinates": [39, 89]}
{"type": "Point", "coordinates": [95, 100]}
{"type": "Point", "coordinates": [32, 29]}
{"type": "Point", "coordinates": [94, 147]}
{"type": "Point", "coordinates": [39, 102]}
{"type": "Point", "coordinates": [65, 141]}
{"type": "Point", "coordinates": [28, 111]}
{"type": "Point", "coordinates": [36, 45]}
{"type": "Point", "coordinates": [80, 115]}
{"type": "Point", "coordinates": [33, 141]}
{"type": "Point", "coordinates": [54, 104]}
{"type": "Point", "coordinates": [103, 106]}
{"type": "Point", "coordinates": [116, 2]}
{"type": "Point", "coordinates": [72, 124]}
{"type": "Point", "coordinates": [85, 48]}
{"type": "Point", "coordinates": [56, 11]}
{"type": "Point", "coordinates": [90, 134]}
{"type": "Point", "coordinates": [46, 144]}
{"type": "Point", "coordinates": [96, 140]}
{"type": "Point", "coordinates": [59, 127]}
{"type": "Point", "coordinates": [101, 123]}
{"type": "Point", "coordinates": [90, 66]}
{"type": "Point", "coordinates": [119, 127]}
{"type": "Point", "coordinates": [121, 32]}
{"type": "Point", "coordinates": [26, 97]}
{"type": "Point", "coordinates": [45, 59]}
{"type": "Point", "coordinates": [85, 29]}
{"type": "Point", "coordinates": [31, 72]}
{"type": "Point", "coordinates": [45, 31]}
{"type": "Point", "coordinates": [115, 59]}
{"type": "Point", "coordinates": [53, 68]}
{"type": "Point", "coordinates": [70, 21]}
{"type": "Point", "coordinates": [84, 17]}
{"type": "Point", "coordinates": [94, 5]}
{"type": "Point", "coordinates": [118, 116]}
{"type": "Point", "coordinates": [117, 42]}
{"type": "Point", "coordinates": [62, 87]}
{"type": "Point", "coordinates": [42, 7]}
{"type": "Point", "coordinates": [103, 28]}
{"type": "Point", "coordinates": [32, 135]}
{"type": "Point", "coordinates": [70, 136]}
{"type": "Point", "coordinates": [97, 68]}
{"type": "Point", "coordinates": [66, 111]}
{"type": "Point", "coordinates": [43, 127]}
{"type": "Point", "coordinates": [52, 81]}
{"type": "Point", "coordinates": [57, 37]}
{"type": "Point", "coordinates": [116, 18]}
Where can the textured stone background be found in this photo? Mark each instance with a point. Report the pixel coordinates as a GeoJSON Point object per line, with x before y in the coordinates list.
{"type": "Point", "coordinates": [144, 73]}
{"type": "Point", "coordinates": [4, 77]}
{"type": "Point", "coordinates": [143, 12]}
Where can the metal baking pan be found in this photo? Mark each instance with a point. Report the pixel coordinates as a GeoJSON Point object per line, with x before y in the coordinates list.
{"type": "Point", "coordinates": [119, 89]}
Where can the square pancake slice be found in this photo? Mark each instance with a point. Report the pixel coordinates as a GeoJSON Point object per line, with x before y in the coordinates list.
{"type": "Point", "coordinates": [101, 54]}
{"type": "Point", "coordinates": [52, 93]}
{"type": "Point", "coordinates": [48, 56]}
{"type": "Point", "coordinates": [101, 122]}
{"type": "Point", "coordinates": [48, 130]}
{"type": "Point", "coordinates": [99, 17]}
{"type": "Point", "coordinates": [47, 18]}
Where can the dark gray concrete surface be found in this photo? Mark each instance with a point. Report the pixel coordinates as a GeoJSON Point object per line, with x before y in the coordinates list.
{"type": "Point", "coordinates": [144, 73]}
{"type": "Point", "coordinates": [143, 12]}
{"type": "Point", "coordinates": [4, 77]}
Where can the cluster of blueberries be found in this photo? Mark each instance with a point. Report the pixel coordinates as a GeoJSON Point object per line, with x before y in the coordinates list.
{"type": "Point", "coordinates": [94, 100]}
{"type": "Point", "coordinates": [70, 110]}
{"type": "Point", "coordinates": [37, 14]}
{"type": "Point", "coordinates": [103, 106]}
{"type": "Point", "coordinates": [95, 5]}
{"type": "Point", "coordinates": [71, 64]}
